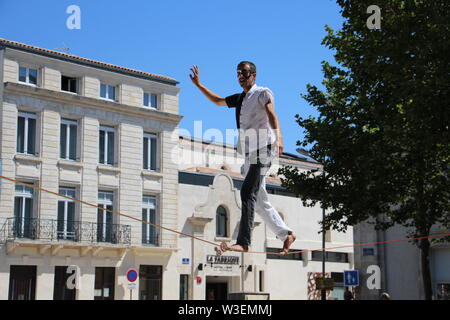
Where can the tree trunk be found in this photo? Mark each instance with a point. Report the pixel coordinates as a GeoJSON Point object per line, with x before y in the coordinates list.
{"type": "Point", "coordinates": [426, 273]}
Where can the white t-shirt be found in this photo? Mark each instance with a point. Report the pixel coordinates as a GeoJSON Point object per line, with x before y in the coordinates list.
{"type": "Point", "coordinates": [255, 131]}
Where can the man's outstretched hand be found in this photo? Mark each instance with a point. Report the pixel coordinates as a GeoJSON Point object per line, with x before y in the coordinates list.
{"type": "Point", "coordinates": [195, 75]}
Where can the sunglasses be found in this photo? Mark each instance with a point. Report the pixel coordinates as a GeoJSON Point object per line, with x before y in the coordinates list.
{"type": "Point", "coordinates": [245, 73]}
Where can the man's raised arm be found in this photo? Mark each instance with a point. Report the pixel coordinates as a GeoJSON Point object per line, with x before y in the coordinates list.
{"type": "Point", "coordinates": [214, 98]}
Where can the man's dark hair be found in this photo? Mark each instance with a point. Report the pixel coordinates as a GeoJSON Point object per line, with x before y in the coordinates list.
{"type": "Point", "coordinates": [250, 64]}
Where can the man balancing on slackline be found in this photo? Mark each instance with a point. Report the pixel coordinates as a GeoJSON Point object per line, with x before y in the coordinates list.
{"type": "Point", "coordinates": [259, 140]}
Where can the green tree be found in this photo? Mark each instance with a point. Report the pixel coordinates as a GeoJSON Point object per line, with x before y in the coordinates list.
{"type": "Point", "coordinates": [382, 134]}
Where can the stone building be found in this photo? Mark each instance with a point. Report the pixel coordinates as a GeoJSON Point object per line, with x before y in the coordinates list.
{"type": "Point", "coordinates": [95, 132]}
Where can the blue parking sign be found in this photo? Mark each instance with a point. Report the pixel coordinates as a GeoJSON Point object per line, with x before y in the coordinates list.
{"type": "Point", "coordinates": [351, 278]}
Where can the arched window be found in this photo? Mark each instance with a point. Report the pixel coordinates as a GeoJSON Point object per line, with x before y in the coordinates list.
{"type": "Point", "coordinates": [221, 222]}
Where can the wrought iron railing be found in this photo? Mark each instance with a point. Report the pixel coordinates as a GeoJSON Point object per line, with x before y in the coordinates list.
{"type": "Point", "coordinates": [58, 230]}
{"type": "Point", "coordinates": [3, 231]}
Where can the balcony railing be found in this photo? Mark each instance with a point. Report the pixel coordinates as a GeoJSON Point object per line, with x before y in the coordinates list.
{"type": "Point", "coordinates": [3, 230]}
{"type": "Point", "coordinates": [58, 230]}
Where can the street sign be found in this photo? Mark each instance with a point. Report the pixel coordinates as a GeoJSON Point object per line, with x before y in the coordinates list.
{"type": "Point", "coordinates": [132, 285]}
{"type": "Point", "coordinates": [351, 278]}
{"type": "Point", "coordinates": [185, 260]}
{"type": "Point", "coordinates": [132, 275]}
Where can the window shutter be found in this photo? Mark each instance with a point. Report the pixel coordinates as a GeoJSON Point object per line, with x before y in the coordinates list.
{"type": "Point", "coordinates": [31, 136]}
{"type": "Point", "coordinates": [21, 134]}
{"type": "Point", "coordinates": [63, 141]}
{"type": "Point", "coordinates": [111, 148]}
{"type": "Point", "coordinates": [102, 147]}
{"type": "Point", "coordinates": [73, 142]}
{"type": "Point", "coordinates": [153, 154]}
{"type": "Point", "coordinates": [145, 155]}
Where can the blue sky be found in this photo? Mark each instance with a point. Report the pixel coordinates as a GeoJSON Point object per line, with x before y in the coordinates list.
{"type": "Point", "coordinates": [283, 39]}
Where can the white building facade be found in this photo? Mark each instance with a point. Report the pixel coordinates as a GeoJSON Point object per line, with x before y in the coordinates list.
{"type": "Point", "coordinates": [101, 134]}
{"type": "Point", "coordinates": [210, 208]}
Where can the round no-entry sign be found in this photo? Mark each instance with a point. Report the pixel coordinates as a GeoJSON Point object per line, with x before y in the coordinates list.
{"type": "Point", "coordinates": [132, 275]}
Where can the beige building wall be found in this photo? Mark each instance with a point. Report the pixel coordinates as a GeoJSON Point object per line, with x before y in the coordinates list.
{"type": "Point", "coordinates": [126, 178]}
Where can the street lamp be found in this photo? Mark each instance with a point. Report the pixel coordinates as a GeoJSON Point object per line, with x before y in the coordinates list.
{"type": "Point", "coordinates": [323, 295]}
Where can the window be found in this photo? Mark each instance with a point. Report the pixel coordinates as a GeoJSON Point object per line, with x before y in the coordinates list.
{"type": "Point", "coordinates": [26, 133]}
{"type": "Point", "coordinates": [150, 282]}
{"type": "Point", "coordinates": [106, 148]}
{"type": "Point", "coordinates": [104, 283]}
{"type": "Point", "coordinates": [330, 256]}
{"type": "Point", "coordinates": [104, 217]}
{"type": "Point", "coordinates": [221, 222]}
{"type": "Point", "coordinates": [68, 140]}
{"type": "Point", "coordinates": [60, 290]}
{"type": "Point", "coordinates": [150, 100]}
{"type": "Point", "coordinates": [28, 75]}
{"type": "Point", "coordinates": [292, 256]}
{"type": "Point", "coordinates": [184, 287]}
{"type": "Point", "coordinates": [108, 92]}
{"type": "Point", "coordinates": [150, 151]}
{"type": "Point", "coordinates": [338, 286]}
{"type": "Point", "coordinates": [22, 283]}
{"type": "Point", "coordinates": [149, 232]}
{"type": "Point", "coordinates": [66, 215]}
{"type": "Point", "coordinates": [23, 212]}
{"type": "Point", "coordinates": [69, 84]}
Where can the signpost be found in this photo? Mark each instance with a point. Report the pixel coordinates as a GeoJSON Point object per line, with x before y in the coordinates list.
{"type": "Point", "coordinates": [132, 276]}
{"type": "Point", "coordinates": [351, 278]}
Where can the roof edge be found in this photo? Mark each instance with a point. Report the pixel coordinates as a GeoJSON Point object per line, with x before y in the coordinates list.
{"type": "Point", "coordinates": [5, 43]}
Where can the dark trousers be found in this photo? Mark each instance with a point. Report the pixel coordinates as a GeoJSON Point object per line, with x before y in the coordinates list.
{"type": "Point", "coordinates": [249, 191]}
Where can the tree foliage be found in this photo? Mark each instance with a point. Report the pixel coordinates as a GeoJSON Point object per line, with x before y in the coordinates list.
{"type": "Point", "coordinates": [382, 134]}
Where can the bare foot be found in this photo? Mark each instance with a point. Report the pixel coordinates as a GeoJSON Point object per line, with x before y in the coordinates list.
{"type": "Point", "coordinates": [288, 242]}
{"type": "Point", "coordinates": [224, 247]}
{"type": "Point", "coordinates": [238, 248]}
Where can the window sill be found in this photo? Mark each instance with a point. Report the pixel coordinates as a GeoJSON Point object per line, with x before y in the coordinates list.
{"type": "Point", "coordinates": [28, 84]}
{"type": "Point", "coordinates": [108, 168]}
{"type": "Point", "coordinates": [26, 157]}
{"type": "Point", "coordinates": [70, 92]}
{"type": "Point", "coordinates": [106, 99]}
{"type": "Point", "coordinates": [225, 239]}
{"type": "Point", "coordinates": [70, 163]}
{"type": "Point", "coordinates": [150, 108]}
{"type": "Point", "coordinates": [153, 174]}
